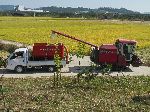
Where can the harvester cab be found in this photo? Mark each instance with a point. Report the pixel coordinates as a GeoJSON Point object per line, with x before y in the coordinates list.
{"type": "Point", "coordinates": [126, 48]}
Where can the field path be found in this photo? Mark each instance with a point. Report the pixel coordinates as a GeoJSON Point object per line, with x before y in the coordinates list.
{"type": "Point", "coordinates": [73, 69]}
{"type": "Point", "coordinates": [15, 43]}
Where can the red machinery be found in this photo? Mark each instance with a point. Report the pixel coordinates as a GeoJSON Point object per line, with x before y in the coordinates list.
{"type": "Point", "coordinates": [42, 51]}
{"type": "Point", "coordinates": [120, 54]}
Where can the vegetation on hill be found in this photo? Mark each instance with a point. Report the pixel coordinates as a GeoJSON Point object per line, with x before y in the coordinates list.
{"type": "Point", "coordinates": [80, 12]}
{"type": "Point", "coordinates": [86, 10]}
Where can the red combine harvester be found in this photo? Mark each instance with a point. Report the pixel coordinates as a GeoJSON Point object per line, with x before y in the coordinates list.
{"type": "Point", "coordinates": [119, 55]}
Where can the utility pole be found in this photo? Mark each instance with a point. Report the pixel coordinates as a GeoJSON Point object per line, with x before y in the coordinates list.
{"type": "Point", "coordinates": [34, 14]}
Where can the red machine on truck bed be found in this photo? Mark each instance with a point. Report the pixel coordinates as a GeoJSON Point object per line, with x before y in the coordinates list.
{"type": "Point", "coordinates": [119, 55]}
{"type": "Point", "coordinates": [42, 51]}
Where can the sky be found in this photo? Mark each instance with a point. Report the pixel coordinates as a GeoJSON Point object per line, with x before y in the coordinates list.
{"type": "Point", "coordinates": [135, 5]}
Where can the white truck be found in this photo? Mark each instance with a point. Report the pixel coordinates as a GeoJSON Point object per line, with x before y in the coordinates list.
{"type": "Point", "coordinates": [21, 59]}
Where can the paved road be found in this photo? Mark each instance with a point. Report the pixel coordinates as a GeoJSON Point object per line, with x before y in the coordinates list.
{"type": "Point", "coordinates": [73, 68]}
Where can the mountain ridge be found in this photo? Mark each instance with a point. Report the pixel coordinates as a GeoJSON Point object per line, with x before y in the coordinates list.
{"type": "Point", "coordinates": [85, 10]}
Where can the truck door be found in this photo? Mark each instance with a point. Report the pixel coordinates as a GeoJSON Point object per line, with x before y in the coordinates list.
{"type": "Point", "coordinates": [15, 59]}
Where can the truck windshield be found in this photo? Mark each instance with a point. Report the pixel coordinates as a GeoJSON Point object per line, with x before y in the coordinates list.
{"type": "Point", "coordinates": [17, 55]}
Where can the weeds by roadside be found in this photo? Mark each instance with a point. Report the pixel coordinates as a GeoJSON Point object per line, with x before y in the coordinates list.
{"type": "Point", "coordinates": [144, 54]}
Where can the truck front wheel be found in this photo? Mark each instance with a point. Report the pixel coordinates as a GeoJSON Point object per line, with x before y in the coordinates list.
{"type": "Point", "coordinates": [19, 69]}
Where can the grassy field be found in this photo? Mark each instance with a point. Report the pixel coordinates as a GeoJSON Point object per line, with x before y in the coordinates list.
{"type": "Point", "coordinates": [30, 30]}
{"type": "Point", "coordinates": [103, 94]}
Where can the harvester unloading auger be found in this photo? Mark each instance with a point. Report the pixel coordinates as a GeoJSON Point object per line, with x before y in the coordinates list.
{"type": "Point", "coordinates": [119, 55]}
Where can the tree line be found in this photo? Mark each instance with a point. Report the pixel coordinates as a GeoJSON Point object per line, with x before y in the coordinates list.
{"type": "Point", "coordinates": [87, 15]}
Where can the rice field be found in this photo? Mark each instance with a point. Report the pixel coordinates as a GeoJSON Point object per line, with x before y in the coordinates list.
{"type": "Point", "coordinates": [31, 30]}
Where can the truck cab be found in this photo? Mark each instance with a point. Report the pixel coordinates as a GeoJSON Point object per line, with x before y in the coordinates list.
{"type": "Point", "coordinates": [18, 60]}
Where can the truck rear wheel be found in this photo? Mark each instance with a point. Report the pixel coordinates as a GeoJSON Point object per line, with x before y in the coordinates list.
{"type": "Point", "coordinates": [51, 68]}
{"type": "Point", "coordinates": [19, 69]}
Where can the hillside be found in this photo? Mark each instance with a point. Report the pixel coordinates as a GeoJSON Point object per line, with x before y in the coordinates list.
{"type": "Point", "coordinates": [85, 10]}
